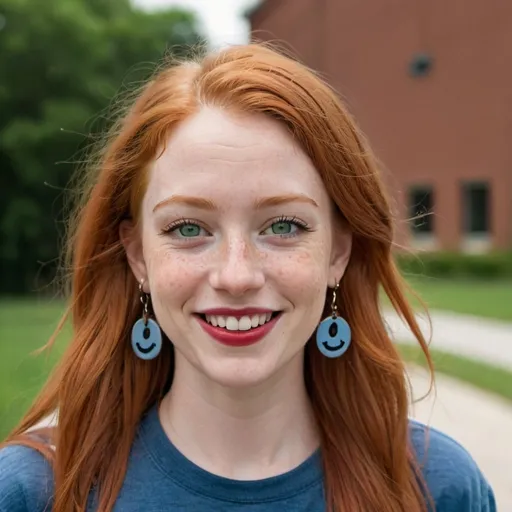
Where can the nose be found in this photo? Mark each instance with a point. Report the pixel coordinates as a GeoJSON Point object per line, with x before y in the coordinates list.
{"type": "Point", "coordinates": [237, 269]}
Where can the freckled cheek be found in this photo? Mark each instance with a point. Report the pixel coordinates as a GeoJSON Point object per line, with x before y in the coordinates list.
{"type": "Point", "coordinates": [302, 273]}
{"type": "Point", "coordinates": [173, 274]}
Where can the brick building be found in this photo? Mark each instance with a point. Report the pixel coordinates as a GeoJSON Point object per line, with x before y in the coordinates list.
{"type": "Point", "coordinates": [430, 83]}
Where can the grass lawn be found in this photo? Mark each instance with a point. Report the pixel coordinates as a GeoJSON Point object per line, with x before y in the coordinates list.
{"type": "Point", "coordinates": [481, 375]}
{"type": "Point", "coordinates": [492, 299]}
{"type": "Point", "coordinates": [25, 326]}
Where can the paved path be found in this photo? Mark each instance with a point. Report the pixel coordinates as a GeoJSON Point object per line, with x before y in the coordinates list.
{"type": "Point", "coordinates": [481, 422]}
{"type": "Point", "coordinates": [478, 338]}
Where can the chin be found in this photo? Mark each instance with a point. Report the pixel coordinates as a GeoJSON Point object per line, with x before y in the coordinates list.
{"type": "Point", "coordinates": [239, 373]}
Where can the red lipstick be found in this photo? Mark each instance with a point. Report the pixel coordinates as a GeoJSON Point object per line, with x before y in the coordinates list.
{"type": "Point", "coordinates": [237, 338]}
{"type": "Point", "coordinates": [237, 313]}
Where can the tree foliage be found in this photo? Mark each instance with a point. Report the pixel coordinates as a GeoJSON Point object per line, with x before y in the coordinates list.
{"type": "Point", "coordinates": [61, 64]}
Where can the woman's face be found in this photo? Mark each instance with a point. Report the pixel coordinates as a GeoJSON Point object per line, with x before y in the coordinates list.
{"type": "Point", "coordinates": [237, 246]}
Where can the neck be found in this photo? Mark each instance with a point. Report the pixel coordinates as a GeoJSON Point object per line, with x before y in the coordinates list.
{"type": "Point", "coordinates": [245, 434]}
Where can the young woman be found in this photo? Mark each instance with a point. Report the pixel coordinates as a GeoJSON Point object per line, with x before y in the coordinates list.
{"type": "Point", "coordinates": [229, 351]}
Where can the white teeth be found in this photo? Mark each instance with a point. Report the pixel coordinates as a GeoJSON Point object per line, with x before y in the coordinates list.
{"type": "Point", "coordinates": [231, 323]}
{"type": "Point", "coordinates": [245, 323]}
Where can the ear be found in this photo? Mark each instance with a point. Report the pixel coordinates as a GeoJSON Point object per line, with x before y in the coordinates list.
{"type": "Point", "coordinates": [132, 242]}
{"type": "Point", "coordinates": [340, 253]}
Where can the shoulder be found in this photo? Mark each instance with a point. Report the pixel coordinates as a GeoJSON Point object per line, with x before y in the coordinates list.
{"type": "Point", "coordinates": [26, 480]}
{"type": "Point", "coordinates": [454, 480]}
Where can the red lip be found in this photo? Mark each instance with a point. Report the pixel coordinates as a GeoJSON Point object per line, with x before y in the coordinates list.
{"type": "Point", "coordinates": [238, 338]}
{"type": "Point", "coordinates": [237, 313]}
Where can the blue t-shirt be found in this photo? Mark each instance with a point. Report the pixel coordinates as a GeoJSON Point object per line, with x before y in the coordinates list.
{"type": "Point", "coordinates": [159, 478]}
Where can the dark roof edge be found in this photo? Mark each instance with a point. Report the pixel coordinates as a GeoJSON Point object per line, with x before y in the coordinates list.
{"type": "Point", "coordinates": [251, 11]}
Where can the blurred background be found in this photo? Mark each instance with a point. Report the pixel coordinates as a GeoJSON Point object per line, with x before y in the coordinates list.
{"type": "Point", "coordinates": [430, 85]}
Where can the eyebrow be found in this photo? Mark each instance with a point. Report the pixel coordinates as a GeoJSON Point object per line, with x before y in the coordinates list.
{"type": "Point", "coordinates": [206, 204]}
{"type": "Point", "coordinates": [195, 202]}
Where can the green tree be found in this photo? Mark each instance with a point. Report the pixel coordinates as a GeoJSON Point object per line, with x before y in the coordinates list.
{"type": "Point", "coordinates": [61, 64]}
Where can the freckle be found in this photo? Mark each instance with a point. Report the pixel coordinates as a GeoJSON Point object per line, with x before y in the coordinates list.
{"type": "Point", "coordinates": [304, 257]}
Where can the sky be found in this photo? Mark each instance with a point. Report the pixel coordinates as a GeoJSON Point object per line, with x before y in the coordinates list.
{"type": "Point", "coordinates": [222, 19]}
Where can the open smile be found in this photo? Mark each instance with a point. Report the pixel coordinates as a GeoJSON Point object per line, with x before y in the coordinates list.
{"type": "Point", "coordinates": [238, 328]}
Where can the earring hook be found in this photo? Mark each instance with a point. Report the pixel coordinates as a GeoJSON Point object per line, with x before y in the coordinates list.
{"type": "Point", "coordinates": [144, 299]}
{"type": "Point", "coordinates": [334, 306]}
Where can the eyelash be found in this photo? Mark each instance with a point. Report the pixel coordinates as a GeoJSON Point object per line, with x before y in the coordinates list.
{"type": "Point", "coordinates": [177, 224]}
{"type": "Point", "coordinates": [303, 226]}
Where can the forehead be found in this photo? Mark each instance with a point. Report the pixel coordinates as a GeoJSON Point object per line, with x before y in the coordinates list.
{"type": "Point", "coordinates": [215, 151]}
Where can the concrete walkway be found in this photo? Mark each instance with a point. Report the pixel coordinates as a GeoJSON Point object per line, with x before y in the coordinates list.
{"type": "Point", "coordinates": [483, 339]}
{"type": "Point", "coordinates": [481, 422]}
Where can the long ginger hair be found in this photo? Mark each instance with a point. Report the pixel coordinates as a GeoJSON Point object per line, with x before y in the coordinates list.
{"type": "Point", "coordinates": [101, 389]}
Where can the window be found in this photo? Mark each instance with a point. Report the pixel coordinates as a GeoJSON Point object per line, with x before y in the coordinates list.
{"type": "Point", "coordinates": [420, 65]}
{"type": "Point", "coordinates": [475, 207]}
{"type": "Point", "coordinates": [421, 205]}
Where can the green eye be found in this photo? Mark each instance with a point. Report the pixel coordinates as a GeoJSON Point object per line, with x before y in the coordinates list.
{"type": "Point", "coordinates": [282, 228]}
{"type": "Point", "coordinates": [189, 230]}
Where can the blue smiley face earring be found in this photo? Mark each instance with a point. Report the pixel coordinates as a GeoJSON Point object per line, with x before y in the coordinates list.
{"type": "Point", "coordinates": [146, 333]}
{"type": "Point", "coordinates": [333, 335]}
